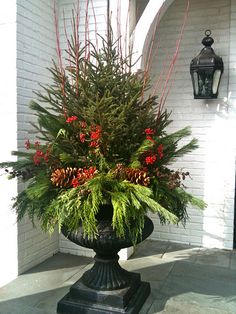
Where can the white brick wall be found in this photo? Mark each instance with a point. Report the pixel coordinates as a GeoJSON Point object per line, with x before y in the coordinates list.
{"type": "Point", "coordinates": [35, 50]}
{"type": "Point", "coordinates": [8, 139]}
{"type": "Point", "coordinates": [213, 165]}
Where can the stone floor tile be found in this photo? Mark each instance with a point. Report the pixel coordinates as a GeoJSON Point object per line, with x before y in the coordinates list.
{"type": "Point", "coordinates": [150, 248]}
{"type": "Point", "coordinates": [206, 293]}
{"type": "Point", "coordinates": [233, 261]}
{"type": "Point", "coordinates": [150, 268]}
{"type": "Point", "coordinates": [216, 257]}
{"type": "Point", "coordinates": [47, 276]}
{"type": "Point", "coordinates": [180, 307]}
{"type": "Point", "coordinates": [202, 271]}
{"type": "Point", "coordinates": [50, 299]}
{"type": "Point", "coordinates": [176, 251]}
{"type": "Point", "coordinates": [182, 280]}
{"type": "Point", "coordinates": [14, 307]}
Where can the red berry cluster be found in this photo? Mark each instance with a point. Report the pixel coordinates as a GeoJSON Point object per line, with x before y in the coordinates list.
{"type": "Point", "coordinates": [152, 156]}
{"type": "Point", "coordinates": [71, 119]}
{"type": "Point", "coordinates": [83, 174]}
{"type": "Point", "coordinates": [92, 135]}
{"type": "Point", "coordinates": [95, 136]}
{"type": "Point", "coordinates": [39, 156]}
{"type": "Point", "coordinates": [151, 159]}
{"type": "Point", "coordinates": [149, 132]}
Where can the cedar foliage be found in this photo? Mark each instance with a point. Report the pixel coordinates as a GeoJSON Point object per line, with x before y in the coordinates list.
{"type": "Point", "coordinates": [93, 117]}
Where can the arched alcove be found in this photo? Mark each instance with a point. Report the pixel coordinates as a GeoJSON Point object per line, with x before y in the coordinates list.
{"type": "Point", "coordinates": [212, 165]}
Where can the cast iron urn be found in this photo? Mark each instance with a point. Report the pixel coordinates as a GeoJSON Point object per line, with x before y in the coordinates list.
{"type": "Point", "coordinates": [206, 70]}
{"type": "Point", "coordinates": [106, 287]}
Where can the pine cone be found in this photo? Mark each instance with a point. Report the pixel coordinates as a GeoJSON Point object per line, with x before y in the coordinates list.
{"type": "Point", "coordinates": [137, 176]}
{"type": "Point", "coordinates": [62, 177]}
{"type": "Point", "coordinates": [120, 171]}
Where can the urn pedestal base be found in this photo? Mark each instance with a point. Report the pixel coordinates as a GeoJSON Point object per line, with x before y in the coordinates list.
{"type": "Point", "coordinates": [84, 300]}
{"type": "Point", "coordinates": [106, 287]}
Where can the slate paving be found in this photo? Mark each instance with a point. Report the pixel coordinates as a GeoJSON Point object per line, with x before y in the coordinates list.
{"type": "Point", "coordinates": [184, 279]}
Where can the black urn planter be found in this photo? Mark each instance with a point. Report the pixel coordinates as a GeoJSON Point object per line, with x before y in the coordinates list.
{"type": "Point", "coordinates": [106, 287]}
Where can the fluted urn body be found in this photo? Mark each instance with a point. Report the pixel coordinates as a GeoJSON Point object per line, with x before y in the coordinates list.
{"type": "Point", "coordinates": [106, 287]}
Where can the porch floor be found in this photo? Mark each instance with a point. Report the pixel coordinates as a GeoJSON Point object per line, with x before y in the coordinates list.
{"type": "Point", "coordinates": [184, 279]}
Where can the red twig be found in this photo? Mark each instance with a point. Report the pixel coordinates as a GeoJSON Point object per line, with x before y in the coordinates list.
{"type": "Point", "coordinates": [76, 35]}
{"type": "Point", "coordinates": [171, 66]}
{"type": "Point", "coordinates": [86, 30]}
{"type": "Point", "coordinates": [67, 39]}
{"type": "Point", "coordinates": [59, 55]}
{"type": "Point", "coordinates": [58, 46]}
{"type": "Point", "coordinates": [118, 16]}
{"type": "Point", "coordinates": [126, 35]}
{"type": "Point", "coordinates": [95, 25]}
{"type": "Point", "coordinates": [158, 84]}
{"type": "Point", "coordinates": [169, 89]}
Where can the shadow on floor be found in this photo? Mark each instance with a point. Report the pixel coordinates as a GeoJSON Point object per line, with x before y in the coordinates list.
{"type": "Point", "coordinates": [39, 303]}
{"type": "Point", "coordinates": [60, 261]}
{"type": "Point", "coordinates": [183, 280]}
{"type": "Point", "coordinates": [186, 279]}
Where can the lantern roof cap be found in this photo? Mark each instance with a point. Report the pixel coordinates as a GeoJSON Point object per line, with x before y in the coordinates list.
{"type": "Point", "coordinates": [208, 41]}
{"type": "Point", "coordinates": [207, 57]}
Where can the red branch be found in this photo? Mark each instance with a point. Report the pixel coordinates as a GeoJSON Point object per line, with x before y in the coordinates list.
{"type": "Point", "coordinates": [58, 49]}
{"type": "Point", "coordinates": [127, 35]}
{"type": "Point", "coordinates": [67, 38]}
{"type": "Point", "coordinates": [118, 17]}
{"type": "Point", "coordinates": [95, 25]}
{"type": "Point", "coordinates": [86, 34]}
{"type": "Point", "coordinates": [77, 44]}
{"type": "Point", "coordinates": [158, 85]}
{"type": "Point", "coordinates": [172, 63]}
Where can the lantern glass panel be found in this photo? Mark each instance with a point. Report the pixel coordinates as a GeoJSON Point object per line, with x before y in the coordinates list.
{"type": "Point", "coordinates": [205, 84]}
{"type": "Point", "coordinates": [195, 83]}
{"type": "Point", "coordinates": [216, 81]}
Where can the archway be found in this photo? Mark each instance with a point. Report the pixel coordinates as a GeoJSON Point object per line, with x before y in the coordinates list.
{"type": "Point", "coordinates": [143, 31]}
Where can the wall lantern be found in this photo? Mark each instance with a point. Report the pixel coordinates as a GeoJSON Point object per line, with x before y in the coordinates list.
{"type": "Point", "coordinates": [206, 70]}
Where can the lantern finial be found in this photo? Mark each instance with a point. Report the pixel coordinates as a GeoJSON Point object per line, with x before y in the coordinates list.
{"type": "Point", "coordinates": [208, 41]}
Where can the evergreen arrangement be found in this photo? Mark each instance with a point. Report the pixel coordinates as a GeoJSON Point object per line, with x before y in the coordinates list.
{"type": "Point", "coordinates": [100, 144]}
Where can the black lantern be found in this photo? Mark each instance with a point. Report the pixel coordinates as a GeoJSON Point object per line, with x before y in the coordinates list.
{"type": "Point", "coordinates": [206, 70]}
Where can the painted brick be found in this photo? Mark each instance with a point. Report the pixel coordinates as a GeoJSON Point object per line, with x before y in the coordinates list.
{"type": "Point", "coordinates": [8, 140]}
{"type": "Point", "coordinates": [35, 49]}
{"type": "Point", "coordinates": [211, 121]}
